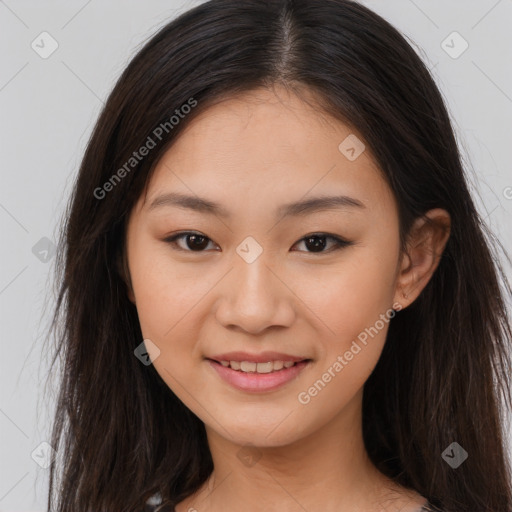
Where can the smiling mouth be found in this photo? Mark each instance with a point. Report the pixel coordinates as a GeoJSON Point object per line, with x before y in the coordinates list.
{"type": "Point", "coordinates": [252, 367]}
{"type": "Point", "coordinates": [258, 376]}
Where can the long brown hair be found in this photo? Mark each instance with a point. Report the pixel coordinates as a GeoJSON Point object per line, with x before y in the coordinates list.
{"type": "Point", "coordinates": [121, 434]}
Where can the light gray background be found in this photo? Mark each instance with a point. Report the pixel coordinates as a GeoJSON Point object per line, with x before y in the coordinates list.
{"type": "Point", "coordinates": [48, 109]}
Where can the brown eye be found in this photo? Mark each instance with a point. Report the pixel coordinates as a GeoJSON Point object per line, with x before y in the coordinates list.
{"type": "Point", "coordinates": [317, 242]}
{"type": "Point", "coordinates": [194, 242]}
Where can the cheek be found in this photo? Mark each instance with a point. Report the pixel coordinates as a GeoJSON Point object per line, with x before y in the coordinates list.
{"type": "Point", "coordinates": [351, 297]}
{"type": "Point", "coordinates": [165, 291]}
{"type": "Point", "coordinates": [170, 300]}
{"type": "Point", "coordinates": [354, 307]}
{"type": "Point", "coordinates": [167, 300]}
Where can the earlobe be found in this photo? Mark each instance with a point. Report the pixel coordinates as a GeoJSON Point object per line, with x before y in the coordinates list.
{"type": "Point", "coordinates": [426, 242]}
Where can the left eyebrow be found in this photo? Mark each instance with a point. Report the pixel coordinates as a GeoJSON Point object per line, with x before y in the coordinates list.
{"type": "Point", "coordinates": [298, 208]}
{"type": "Point", "coordinates": [316, 204]}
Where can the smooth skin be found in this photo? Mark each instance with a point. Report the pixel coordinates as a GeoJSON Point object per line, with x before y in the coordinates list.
{"type": "Point", "coordinates": [252, 154]}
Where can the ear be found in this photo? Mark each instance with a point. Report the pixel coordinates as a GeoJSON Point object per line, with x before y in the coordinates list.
{"type": "Point", "coordinates": [425, 244]}
{"type": "Point", "coordinates": [124, 272]}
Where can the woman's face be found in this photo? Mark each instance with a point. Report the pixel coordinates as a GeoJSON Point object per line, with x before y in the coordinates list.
{"type": "Point", "coordinates": [255, 282]}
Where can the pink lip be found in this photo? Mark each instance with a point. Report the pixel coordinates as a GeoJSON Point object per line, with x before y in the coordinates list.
{"type": "Point", "coordinates": [257, 382]}
{"type": "Point", "coordinates": [262, 357]}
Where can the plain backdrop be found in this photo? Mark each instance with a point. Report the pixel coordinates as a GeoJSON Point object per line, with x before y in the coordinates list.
{"type": "Point", "coordinates": [49, 104]}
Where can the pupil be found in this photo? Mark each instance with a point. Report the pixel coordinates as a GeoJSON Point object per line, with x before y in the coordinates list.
{"type": "Point", "coordinates": [316, 245]}
{"type": "Point", "coordinates": [197, 246]}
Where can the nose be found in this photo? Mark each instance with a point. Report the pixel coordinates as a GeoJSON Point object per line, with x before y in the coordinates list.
{"type": "Point", "coordinates": [254, 298]}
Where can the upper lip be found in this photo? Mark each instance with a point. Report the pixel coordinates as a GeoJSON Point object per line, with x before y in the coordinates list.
{"type": "Point", "coordinates": [262, 357]}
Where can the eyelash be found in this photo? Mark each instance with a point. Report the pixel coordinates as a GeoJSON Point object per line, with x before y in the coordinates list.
{"type": "Point", "coordinates": [340, 243]}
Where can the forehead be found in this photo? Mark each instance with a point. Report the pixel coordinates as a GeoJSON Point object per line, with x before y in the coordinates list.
{"type": "Point", "coordinates": [263, 146]}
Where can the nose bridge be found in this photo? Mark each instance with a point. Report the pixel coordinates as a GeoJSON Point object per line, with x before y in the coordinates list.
{"type": "Point", "coordinates": [253, 297]}
{"type": "Point", "coordinates": [255, 281]}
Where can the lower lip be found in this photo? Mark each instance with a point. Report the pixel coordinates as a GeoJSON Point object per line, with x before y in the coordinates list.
{"type": "Point", "coordinates": [258, 382]}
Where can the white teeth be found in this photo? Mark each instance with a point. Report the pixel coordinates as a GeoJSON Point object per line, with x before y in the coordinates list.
{"type": "Point", "coordinates": [246, 366]}
{"type": "Point", "coordinates": [251, 367]}
{"type": "Point", "coordinates": [265, 367]}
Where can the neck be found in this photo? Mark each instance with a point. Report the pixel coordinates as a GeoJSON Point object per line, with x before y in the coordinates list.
{"type": "Point", "coordinates": [326, 470]}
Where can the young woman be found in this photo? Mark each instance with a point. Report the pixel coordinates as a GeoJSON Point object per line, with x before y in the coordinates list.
{"type": "Point", "coordinates": [276, 291]}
